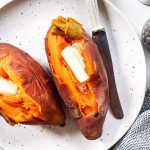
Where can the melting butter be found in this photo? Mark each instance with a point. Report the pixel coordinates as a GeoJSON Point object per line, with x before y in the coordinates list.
{"type": "Point", "coordinates": [7, 86]}
{"type": "Point", "coordinates": [75, 60]}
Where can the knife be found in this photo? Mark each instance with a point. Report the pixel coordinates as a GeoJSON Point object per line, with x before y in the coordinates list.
{"type": "Point", "coordinates": [100, 38]}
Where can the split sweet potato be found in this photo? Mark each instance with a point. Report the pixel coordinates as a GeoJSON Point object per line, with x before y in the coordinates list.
{"type": "Point", "coordinates": [28, 96]}
{"type": "Point", "coordinates": [86, 101]}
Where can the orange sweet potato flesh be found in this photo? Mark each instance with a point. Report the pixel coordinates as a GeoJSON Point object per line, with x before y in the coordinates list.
{"type": "Point", "coordinates": [66, 76]}
{"type": "Point", "coordinates": [87, 102]}
{"type": "Point", "coordinates": [36, 101]}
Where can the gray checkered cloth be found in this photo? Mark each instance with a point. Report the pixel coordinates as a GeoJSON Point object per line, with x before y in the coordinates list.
{"type": "Point", "coordinates": [138, 136]}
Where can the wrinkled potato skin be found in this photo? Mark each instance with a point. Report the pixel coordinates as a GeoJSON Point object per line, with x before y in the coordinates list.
{"type": "Point", "coordinates": [36, 84]}
{"type": "Point", "coordinates": [90, 126]}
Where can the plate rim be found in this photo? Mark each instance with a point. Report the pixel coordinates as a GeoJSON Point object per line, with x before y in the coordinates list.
{"type": "Point", "coordinates": [144, 61]}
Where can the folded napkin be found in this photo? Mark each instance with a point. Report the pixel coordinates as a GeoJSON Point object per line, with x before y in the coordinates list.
{"type": "Point", "coordinates": [138, 136]}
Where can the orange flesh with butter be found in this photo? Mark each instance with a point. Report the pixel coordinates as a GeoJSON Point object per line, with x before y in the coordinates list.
{"type": "Point", "coordinates": [19, 107]}
{"type": "Point", "coordinates": [85, 99]}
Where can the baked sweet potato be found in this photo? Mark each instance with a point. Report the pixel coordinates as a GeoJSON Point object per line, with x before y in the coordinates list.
{"type": "Point", "coordinates": [26, 92]}
{"type": "Point", "coordinates": [85, 93]}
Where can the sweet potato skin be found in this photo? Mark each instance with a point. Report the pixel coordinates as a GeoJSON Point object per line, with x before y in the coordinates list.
{"type": "Point", "coordinates": [36, 84]}
{"type": "Point", "coordinates": [90, 126]}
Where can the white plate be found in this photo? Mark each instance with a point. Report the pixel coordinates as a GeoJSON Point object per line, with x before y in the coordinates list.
{"type": "Point", "coordinates": [24, 23]}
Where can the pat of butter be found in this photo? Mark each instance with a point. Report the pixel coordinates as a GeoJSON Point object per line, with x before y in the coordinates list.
{"type": "Point", "coordinates": [74, 59]}
{"type": "Point", "coordinates": [7, 86]}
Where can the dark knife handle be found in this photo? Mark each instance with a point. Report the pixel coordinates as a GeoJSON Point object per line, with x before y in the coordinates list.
{"type": "Point", "coordinates": [100, 39]}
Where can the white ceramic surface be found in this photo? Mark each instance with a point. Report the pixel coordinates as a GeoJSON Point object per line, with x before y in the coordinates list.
{"type": "Point", "coordinates": [137, 16]}
{"type": "Point", "coordinates": [24, 23]}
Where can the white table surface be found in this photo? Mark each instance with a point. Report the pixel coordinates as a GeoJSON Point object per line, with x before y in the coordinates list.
{"type": "Point", "coordinates": [136, 13]}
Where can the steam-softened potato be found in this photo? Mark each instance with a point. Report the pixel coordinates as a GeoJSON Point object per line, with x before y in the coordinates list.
{"type": "Point", "coordinates": [79, 74]}
{"type": "Point", "coordinates": [26, 92]}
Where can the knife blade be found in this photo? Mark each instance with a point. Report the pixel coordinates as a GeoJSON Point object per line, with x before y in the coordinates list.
{"type": "Point", "coordinates": [100, 38]}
